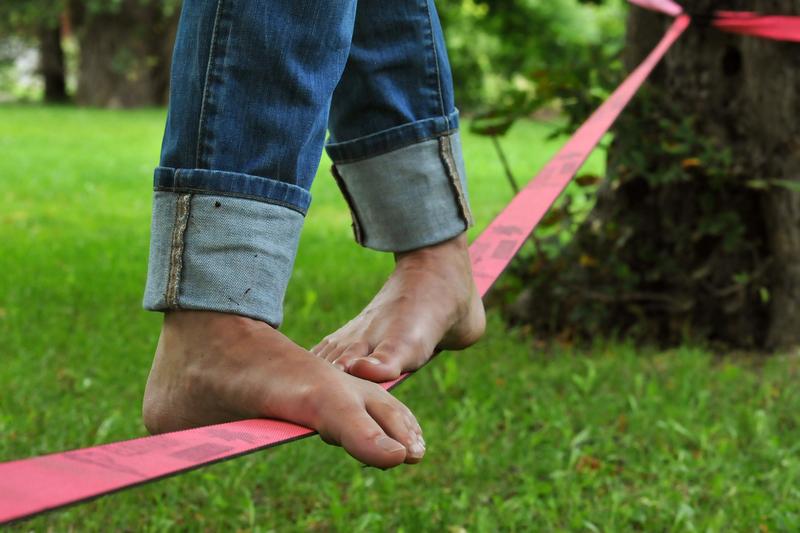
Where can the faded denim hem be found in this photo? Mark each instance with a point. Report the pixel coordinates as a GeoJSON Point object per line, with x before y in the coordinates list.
{"type": "Point", "coordinates": [409, 198]}
{"type": "Point", "coordinates": [220, 253]}
{"type": "Point", "coordinates": [392, 139]}
{"type": "Point", "coordinates": [236, 184]}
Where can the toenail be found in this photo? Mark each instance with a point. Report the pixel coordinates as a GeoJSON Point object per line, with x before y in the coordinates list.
{"type": "Point", "coordinates": [389, 445]}
{"type": "Point", "coordinates": [340, 366]}
{"type": "Point", "coordinates": [372, 360]}
{"type": "Point", "coordinates": [416, 450]}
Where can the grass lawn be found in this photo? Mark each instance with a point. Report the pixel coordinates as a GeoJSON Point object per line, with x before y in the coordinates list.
{"type": "Point", "coordinates": [521, 438]}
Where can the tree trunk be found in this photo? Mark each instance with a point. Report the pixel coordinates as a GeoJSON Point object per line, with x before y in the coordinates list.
{"type": "Point", "coordinates": [51, 64]}
{"type": "Point", "coordinates": [125, 56]}
{"type": "Point", "coordinates": [696, 232]}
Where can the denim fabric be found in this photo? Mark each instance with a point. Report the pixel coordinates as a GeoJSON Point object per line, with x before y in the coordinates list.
{"type": "Point", "coordinates": [226, 266]}
{"type": "Point", "coordinates": [255, 84]}
{"type": "Point", "coordinates": [429, 205]}
{"type": "Point", "coordinates": [397, 87]}
{"type": "Point", "coordinates": [251, 86]}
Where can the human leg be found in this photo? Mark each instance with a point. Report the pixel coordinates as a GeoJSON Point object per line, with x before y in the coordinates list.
{"type": "Point", "coordinates": [397, 158]}
{"type": "Point", "coordinates": [250, 93]}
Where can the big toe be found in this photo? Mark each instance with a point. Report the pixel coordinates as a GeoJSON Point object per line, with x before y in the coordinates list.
{"type": "Point", "coordinates": [366, 441]}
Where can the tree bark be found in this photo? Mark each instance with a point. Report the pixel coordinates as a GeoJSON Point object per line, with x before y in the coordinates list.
{"type": "Point", "coordinates": [125, 56]}
{"type": "Point", "coordinates": [772, 92]}
{"type": "Point", "coordinates": [51, 64]}
{"type": "Point", "coordinates": [687, 239]}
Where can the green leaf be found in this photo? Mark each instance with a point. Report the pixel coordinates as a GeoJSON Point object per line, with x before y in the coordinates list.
{"type": "Point", "coordinates": [760, 185]}
{"type": "Point", "coordinates": [792, 185]}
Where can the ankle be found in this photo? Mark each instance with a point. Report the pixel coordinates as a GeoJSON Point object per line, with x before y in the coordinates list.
{"type": "Point", "coordinates": [210, 322]}
{"type": "Point", "coordinates": [435, 254]}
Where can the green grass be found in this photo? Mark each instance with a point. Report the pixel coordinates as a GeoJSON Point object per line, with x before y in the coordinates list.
{"type": "Point", "coordinates": [521, 436]}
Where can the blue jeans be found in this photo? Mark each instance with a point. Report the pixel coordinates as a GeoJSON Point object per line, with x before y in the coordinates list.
{"type": "Point", "coordinates": [255, 85]}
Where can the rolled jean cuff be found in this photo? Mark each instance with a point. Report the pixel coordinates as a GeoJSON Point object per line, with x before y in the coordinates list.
{"type": "Point", "coordinates": [221, 253]}
{"type": "Point", "coordinates": [409, 197]}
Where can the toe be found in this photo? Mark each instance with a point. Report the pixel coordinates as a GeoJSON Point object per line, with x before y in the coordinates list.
{"type": "Point", "coordinates": [365, 440]}
{"type": "Point", "coordinates": [398, 422]}
{"type": "Point", "coordinates": [334, 353]}
{"type": "Point", "coordinates": [330, 351]}
{"type": "Point", "coordinates": [320, 347]}
{"type": "Point", "coordinates": [324, 348]}
{"type": "Point", "coordinates": [351, 353]}
{"type": "Point", "coordinates": [389, 359]}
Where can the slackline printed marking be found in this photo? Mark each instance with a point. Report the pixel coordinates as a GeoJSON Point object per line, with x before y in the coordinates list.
{"type": "Point", "coordinates": [39, 484]}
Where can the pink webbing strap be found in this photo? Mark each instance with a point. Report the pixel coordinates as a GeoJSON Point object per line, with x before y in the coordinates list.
{"type": "Point", "coordinates": [32, 486]}
{"type": "Point", "coordinates": [665, 6]}
{"type": "Point", "coordinates": [775, 27]}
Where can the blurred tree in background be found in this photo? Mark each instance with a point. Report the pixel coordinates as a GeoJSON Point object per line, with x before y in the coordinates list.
{"type": "Point", "coordinates": [696, 230]}
{"type": "Point", "coordinates": [37, 21]}
{"type": "Point", "coordinates": [124, 47]}
{"type": "Point", "coordinates": [125, 50]}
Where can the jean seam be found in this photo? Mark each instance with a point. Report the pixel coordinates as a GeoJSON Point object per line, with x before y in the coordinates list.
{"type": "Point", "coordinates": [432, 43]}
{"type": "Point", "coordinates": [358, 231]}
{"type": "Point", "coordinates": [200, 150]}
{"type": "Point", "coordinates": [183, 205]}
{"type": "Point", "coordinates": [451, 170]}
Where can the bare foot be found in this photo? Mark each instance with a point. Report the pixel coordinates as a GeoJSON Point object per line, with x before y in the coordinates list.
{"type": "Point", "coordinates": [430, 301]}
{"type": "Point", "coordinates": [213, 367]}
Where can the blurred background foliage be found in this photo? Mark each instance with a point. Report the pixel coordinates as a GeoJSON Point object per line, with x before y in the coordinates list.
{"type": "Point", "coordinates": [522, 55]}
{"type": "Point", "coordinates": [510, 57]}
